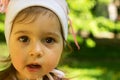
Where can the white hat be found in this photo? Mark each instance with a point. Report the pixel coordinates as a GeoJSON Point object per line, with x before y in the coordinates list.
{"type": "Point", "coordinates": [59, 7]}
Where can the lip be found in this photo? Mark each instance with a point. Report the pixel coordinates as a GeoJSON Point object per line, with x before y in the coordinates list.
{"type": "Point", "coordinates": [33, 67]}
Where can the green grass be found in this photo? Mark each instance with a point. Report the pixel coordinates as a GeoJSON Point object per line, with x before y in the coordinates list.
{"type": "Point", "coordinates": [99, 63]}
{"type": "Point", "coordinates": [3, 54]}
{"type": "Point", "coordinates": [1, 26]}
{"type": "Point", "coordinates": [3, 49]}
{"type": "Point", "coordinates": [90, 71]}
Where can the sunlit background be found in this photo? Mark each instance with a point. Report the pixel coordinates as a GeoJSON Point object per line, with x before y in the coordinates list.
{"type": "Point", "coordinates": [97, 27]}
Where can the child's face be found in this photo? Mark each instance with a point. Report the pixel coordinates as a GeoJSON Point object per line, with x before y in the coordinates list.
{"type": "Point", "coordinates": [36, 47]}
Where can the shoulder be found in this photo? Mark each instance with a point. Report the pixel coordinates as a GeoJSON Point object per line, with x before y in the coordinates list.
{"type": "Point", "coordinates": [55, 75]}
{"type": "Point", "coordinates": [51, 76]}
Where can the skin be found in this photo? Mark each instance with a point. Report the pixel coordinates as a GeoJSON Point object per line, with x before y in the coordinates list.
{"type": "Point", "coordinates": [39, 42]}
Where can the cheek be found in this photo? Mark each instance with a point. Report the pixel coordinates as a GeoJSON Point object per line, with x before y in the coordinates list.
{"type": "Point", "coordinates": [50, 63]}
{"type": "Point", "coordinates": [52, 60]}
{"type": "Point", "coordinates": [17, 60]}
{"type": "Point", "coordinates": [16, 55]}
{"type": "Point", "coordinates": [15, 52]}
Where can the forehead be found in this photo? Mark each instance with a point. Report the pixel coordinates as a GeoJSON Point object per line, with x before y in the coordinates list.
{"type": "Point", "coordinates": [38, 15]}
{"type": "Point", "coordinates": [40, 22]}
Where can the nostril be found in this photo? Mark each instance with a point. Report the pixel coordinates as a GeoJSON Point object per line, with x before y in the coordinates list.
{"type": "Point", "coordinates": [39, 55]}
{"type": "Point", "coordinates": [36, 54]}
{"type": "Point", "coordinates": [31, 54]}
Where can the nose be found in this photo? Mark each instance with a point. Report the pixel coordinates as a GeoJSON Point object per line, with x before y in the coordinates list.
{"type": "Point", "coordinates": [36, 50]}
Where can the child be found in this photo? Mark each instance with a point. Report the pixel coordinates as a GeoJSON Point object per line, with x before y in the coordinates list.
{"type": "Point", "coordinates": [35, 32]}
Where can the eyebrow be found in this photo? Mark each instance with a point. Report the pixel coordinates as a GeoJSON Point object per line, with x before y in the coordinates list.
{"type": "Point", "coordinates": [46, 33]}
{"type": "Point", "coordinates": [52, 33]}
{"type": "Point", "coordinates": [26, 32]}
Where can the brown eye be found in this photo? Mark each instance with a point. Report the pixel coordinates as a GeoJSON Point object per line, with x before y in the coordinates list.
{"type": "Point", "coordinates": [24, 39]}
{"type": "Point", "coordinates": [49, 40]}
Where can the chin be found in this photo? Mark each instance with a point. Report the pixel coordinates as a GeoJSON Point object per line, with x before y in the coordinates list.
{"type": "Point", "coordinates": [33, 77]}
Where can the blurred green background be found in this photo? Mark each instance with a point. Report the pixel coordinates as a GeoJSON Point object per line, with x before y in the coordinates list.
{"type": "Point", "coordinates": [98, 36]}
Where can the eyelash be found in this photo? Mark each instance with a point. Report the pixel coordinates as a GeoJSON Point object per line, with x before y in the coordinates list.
{"type": "Point", "coordinates": [47, 40]}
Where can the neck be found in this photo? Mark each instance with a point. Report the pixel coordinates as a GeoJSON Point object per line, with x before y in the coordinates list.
{"type": "Point", "coordinates": [20, 78]}
{"type": "Point", "coordinates": [30, 79]}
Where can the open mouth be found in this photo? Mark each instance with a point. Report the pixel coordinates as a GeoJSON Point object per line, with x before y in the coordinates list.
{"type": "Point", "coordinates": [33, 67]}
